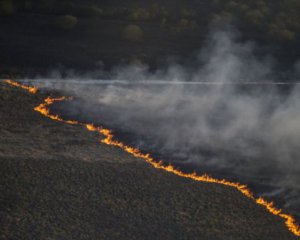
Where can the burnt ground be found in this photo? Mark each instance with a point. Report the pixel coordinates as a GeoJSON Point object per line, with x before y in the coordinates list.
{"type": "Point", "coordinates": [58, 182]}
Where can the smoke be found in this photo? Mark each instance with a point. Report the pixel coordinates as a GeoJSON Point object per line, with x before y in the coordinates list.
{"type": "Point", "coordinates": [225, 114]}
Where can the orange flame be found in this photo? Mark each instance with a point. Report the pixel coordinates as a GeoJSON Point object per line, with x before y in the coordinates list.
{"type": "Point", "coordinates": [16, 84]}
{"type": "Point", "coordinates": [43, 108]}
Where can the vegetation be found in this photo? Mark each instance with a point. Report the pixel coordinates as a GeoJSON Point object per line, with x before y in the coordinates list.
{"type": "Point", "coordinates": [133, 33]}
{"type": "Point", "coordinates": [275, 20]}
{"type": "Point", "coordinates": [270, 20]}
{"type": "Point", "coordinates": [165, 29]}
{"type": "Point", "coordinates": [58, 182]}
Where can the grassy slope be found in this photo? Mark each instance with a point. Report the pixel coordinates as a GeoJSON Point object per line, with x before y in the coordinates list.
{"type": "Point", "coordinates": [57, 182]}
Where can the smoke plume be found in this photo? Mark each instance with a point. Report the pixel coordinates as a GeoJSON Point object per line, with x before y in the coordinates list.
{"type": "Point", "coordinates": [225, 115]}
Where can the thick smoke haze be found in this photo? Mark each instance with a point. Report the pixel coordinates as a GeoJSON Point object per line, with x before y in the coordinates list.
{"type": "Point", "coordinates": [228, 118]}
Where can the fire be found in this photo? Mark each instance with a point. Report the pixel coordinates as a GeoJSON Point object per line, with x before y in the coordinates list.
{"type": "Point", "coordinates": [43, 108]}
{"type": "Point", "coordinates": [16, 84]}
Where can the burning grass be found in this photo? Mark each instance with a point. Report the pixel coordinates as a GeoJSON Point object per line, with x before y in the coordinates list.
{"type": "Point", "coordinates": [229, 215]}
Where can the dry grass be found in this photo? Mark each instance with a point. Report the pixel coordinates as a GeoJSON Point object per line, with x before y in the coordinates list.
{"type": "Point", "coordinates": [57, 182]}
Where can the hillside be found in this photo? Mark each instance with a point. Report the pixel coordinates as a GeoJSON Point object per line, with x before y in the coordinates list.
{"type": "Point", "coordinates": [59, 182]}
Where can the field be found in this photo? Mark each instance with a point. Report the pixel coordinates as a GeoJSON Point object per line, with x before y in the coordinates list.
{"type": "Point", "coordinates": [59, 182]}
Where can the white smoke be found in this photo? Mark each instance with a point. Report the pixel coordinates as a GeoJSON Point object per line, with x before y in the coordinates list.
{"type": "Point", "coordinates": [252, 130]}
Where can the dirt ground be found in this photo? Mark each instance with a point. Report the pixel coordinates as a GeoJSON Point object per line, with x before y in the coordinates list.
{"type": "Point", "coordinates": [59, 182]}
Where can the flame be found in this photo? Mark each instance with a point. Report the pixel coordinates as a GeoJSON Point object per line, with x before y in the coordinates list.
{"type": "Point", "coordinates": [43, 108]}
{"type": "Point", "coordinates": [16, 84]}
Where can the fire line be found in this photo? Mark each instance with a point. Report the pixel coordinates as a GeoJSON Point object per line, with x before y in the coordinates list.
{"type": "Point", "coordinates": [44, 109]}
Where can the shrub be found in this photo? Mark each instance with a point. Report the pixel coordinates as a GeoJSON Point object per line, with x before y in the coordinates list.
{"type": "Point", "coordinates": [133, 33]}
{"type": "Point", "coordinates": [7, 8]}
{"type": "Point", "coordinates": [66, 22]}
